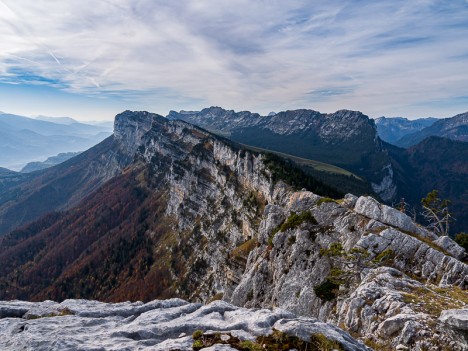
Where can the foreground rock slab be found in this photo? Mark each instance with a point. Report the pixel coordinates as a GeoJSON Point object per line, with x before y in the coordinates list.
{"type": "Point", "coordinates": [157, 325]}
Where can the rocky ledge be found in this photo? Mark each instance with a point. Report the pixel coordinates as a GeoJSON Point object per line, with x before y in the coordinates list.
{"type": "Point", "coordinates": [160, 325]}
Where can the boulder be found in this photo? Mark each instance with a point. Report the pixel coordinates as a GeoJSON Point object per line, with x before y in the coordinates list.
{"type": "Point", "coordinates": [457, 319]}
{"type": "Point", "coordinates": [450, 246]}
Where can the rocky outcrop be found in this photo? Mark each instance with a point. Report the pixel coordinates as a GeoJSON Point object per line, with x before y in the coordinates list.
{"type": "Point", "coordinates": [391, 308]}
{"type": "Point", "coordinates": [129, 128]}
{"type": "Point", "coordinates": [393, 300]}
{"type": "Point", "coordinates": [457, 319]}
{"type": "Point", "coordinates": [158, 325]}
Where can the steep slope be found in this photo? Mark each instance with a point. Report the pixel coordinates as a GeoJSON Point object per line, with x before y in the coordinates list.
{"type": "Point", "coordinates": [183, 182]}
{"type": "Point", "coordinates": [392, 129]}
{"type": "Point", "coordinates": [455, 128]}
{"type": "Point", "coordinates": [347, 139]}
{"type": "Point", "coordinates": [23, 139]}
{"type": "Point", "coordinates": [63, 186]}
{"type": "Point", "coordinates": [8, 177]}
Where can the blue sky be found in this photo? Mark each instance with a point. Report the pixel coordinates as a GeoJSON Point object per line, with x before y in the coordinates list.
{"type": "Point", "coordinates": [92, 59]}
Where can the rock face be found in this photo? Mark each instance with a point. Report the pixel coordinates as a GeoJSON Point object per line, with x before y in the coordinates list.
{"type": "Point", "coordinates": [384, 305]}
{"type": "Point", "coordinates": [345, 138]}
{"type": "Point", "coordinates": [158, 325]}
{"type": "Point", "coordinates": [457, 319]}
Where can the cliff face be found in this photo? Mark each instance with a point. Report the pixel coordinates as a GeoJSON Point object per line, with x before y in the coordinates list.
{"type": "Point", "coordinates": [195, 216]}
{"type": "Point", "coordinates": [166, 223]}
{"type": "Point", "coordinates": [345, 138]}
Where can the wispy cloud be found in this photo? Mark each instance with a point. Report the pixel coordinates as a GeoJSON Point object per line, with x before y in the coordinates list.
{"type": "Point", "coordinates": [381, 57]}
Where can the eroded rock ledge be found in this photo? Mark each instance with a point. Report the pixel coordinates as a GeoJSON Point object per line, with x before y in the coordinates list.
{"type": "Point", "coordinates": [157, 325]}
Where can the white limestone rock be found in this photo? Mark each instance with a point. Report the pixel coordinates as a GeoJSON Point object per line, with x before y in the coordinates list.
{"type": "Point", "coordinates": [450, 246]}
{"type": "Point", "coordinates": [158, 325]}
{"type": "Point", "coordinates": [371, 208]}
{"type": "Point", "coordinates": [457, 319]}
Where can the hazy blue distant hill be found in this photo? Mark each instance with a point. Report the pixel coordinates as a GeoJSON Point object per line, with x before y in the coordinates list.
{"type": "Point", "coordinates": [455, 128]}
{"type": "Point", "coordinates": [58, 120]}
{"type": "Point", "coordinates": [24, 140]}
{"type": "Point", "coordinates": [391, 129]}
{"type": "Point", "coordinates": [51, 161]}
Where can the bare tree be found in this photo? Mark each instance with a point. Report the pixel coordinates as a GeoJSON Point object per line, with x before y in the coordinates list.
{"type": "Point", "coordinates": [436, 212]}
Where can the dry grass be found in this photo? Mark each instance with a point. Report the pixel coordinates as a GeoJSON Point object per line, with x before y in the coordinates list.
{"type": "Point", "coordinates": [434, 300]}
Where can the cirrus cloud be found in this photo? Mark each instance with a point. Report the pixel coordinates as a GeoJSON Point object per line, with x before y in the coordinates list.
{"type": "Point", "coordinates": [380, 57]}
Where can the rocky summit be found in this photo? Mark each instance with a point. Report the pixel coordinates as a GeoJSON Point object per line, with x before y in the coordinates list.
{"type": "Point", "coordinates": [160, 325]}
{"type": "Point", "coordinates": [188, 214]}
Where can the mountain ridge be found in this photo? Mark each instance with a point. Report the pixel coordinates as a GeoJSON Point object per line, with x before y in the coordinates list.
{"type": "Point", "coordinates": [455, 128]}
{"type": "Point", "coordinates": [392, 129]}
{"type": "Point", "coordinates": [193, 215]}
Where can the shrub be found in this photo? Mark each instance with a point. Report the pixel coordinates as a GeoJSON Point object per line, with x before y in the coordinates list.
{"type": "Point", "coordinates": [197, 334]}
{"type": "Point", "coordinates": [327, 290]}
{"type": "Point", "coordinates": [293, 221]}
{"type": "Point", "coordinates": [462, 240]}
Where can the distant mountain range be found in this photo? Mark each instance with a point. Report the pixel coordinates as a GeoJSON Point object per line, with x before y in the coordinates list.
{"type": "Point", "coordinates": [24, 139]}
{"type": "Point", "coordinates": [405, 133]}
{"type": "Point", "coordinates": [455, 128]}
{"type": "Point", "coordinates": [392, 129]}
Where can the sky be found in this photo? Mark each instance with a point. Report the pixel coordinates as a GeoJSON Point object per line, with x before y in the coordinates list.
{"type": "Point", "coordinates": [93, 59]}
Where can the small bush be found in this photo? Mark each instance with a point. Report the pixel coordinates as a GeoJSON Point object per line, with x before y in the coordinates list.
{"type": "Point", "coordinates": [197, 334]}
{"type": "Point", "coordinates": [462, 240]}
{"type": "Point", "coordinates": [293, 221]}
{"type": "Point", "coordinates": [250, 345]}
{"type": "Point", "coordinates": [385, 256]}
{"type": "Point", "coordinates": [244, 249]}
{"type": "Point", "coordinates": [198, 345]}
{"type": "Point", "coordinates": [327, 290]}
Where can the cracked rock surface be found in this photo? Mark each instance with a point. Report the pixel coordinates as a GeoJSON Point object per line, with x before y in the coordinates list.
{"type": "Point", "coordinates": [157, 325]}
